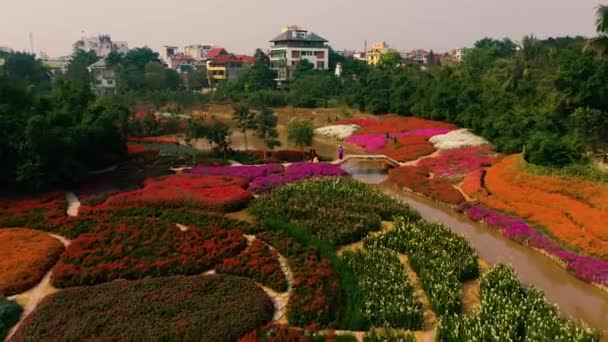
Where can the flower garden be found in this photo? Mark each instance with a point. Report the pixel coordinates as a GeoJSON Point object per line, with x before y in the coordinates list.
{"type": "Point", "coordinates": [169, 259]}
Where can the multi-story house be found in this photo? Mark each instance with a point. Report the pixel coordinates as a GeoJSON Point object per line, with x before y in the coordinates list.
{"type": "Point", "coordinates": [181, 62]}
{"type": "Point", "coordinates": [294, 45]}
{"type": "Point", "coordinates": [102, 45]}
{"type": "Point", "coordinates": [372, 57]}
{"type": "Point", "coordinates": [197, 51]}
{"type": "Point", "coordinates": [224, 67]}
{"type": "Point", "coordinates": [103, 78]}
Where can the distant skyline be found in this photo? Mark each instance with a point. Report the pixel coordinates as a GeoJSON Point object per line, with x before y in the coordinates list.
{"type": "Point", "coordinates": [241, 26]}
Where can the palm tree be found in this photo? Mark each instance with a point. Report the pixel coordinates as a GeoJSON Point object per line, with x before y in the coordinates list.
{"type": "Point", "coordinates": [510, 71]}
{"type": "Point", "coordinates": [599, 44]}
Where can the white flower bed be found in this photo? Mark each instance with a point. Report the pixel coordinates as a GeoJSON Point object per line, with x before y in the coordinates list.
{"type": "Point", "coordinates": [340, 132]}
{"type": "Point", "coordinates": [457, 139]}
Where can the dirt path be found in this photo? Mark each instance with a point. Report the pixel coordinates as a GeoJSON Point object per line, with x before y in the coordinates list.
{"type": "Point", "coordinates": [31, 298]}
{"type": "Point", "coordinates": [73, 204]}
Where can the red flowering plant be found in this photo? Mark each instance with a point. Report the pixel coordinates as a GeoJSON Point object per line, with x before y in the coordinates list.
{"type": "Point", "coordinates": [216, 193]}
{"type": "Point", "coordinates": [316, 290]}
{"type": "Point", "coordinates": [33, 212]}
{"type": "Point", "coordinates": [418, 180]}
{"type": "Point", "coordinates": [259, 262]}
{"type": "Point", "coordinates": [133, 248]}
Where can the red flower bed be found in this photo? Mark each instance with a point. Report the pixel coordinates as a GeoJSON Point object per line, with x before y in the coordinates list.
{"type": "Point", "coordinates": [276, 333]}
{"type": "Point", "coordinates": [453, 165]}
{"type": "Point", "coordinates": [219, 193]}
{"type": "Point", "coordinates": [316, 291]}
{"type": "Point", "coordinates": [359, 122]}
{"type": "Point", "coordinates": [135, 150]}
{"type": "Point", "coordinates": [395, 123]}
{"type": "Point", "coordinates": [133, 248]}
{"type": "Point", "coordinates": [165, 139]}
{"type": "Point", "coordinates": [259, 262]}
{"type": "Point", "coordinates": [25, 257]}
{"type": "Point", "coordinates": [34, 211]}
{"type": "Point", "coordinates": [418, 180]}
{"type": "Point", "coordinates": [408, 148]}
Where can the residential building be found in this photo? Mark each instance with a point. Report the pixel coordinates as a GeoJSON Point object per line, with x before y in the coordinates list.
{"type": "Point", "coordinates": [248, 60]}
{"type": "Point", "coordinates": [223, 68]}
{"type": "Point", "coordinates": [181, 62]}
{"type": "Point", "coordinates": [215, 52]}
{"type": "Point", "coordinates": [294, 45]}
{"type": "Point", "coordinates": [372, 57]}
{"type": "Point", "coordinates": [197, 51]}
{"type": "Point", "coordinates": [360, 56]}
{"type": "Point", "coordinates": [168, 51]}
{"type": "Point", "coordinates": [103, 78]}
{"type": "Point", "coordinates": [57, 66]}
{"type": "Point", "coordinates": [103, 45]}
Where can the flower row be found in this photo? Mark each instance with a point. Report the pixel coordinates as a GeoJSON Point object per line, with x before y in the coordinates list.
{"type": "Point", "coordinates": [419, 180]}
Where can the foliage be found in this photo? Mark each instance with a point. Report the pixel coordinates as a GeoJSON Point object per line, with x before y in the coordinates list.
{"type": "Point", "coordinates": [388, 335]}
{"type": "Point", "coordinates": [174, 308]}
{"type": "Point", "coordinates": [293, 173]}
{"type": "Point", "coordinates": [417, 179]}
{"type": "Point", "coordinates": [441, 259]}
{"type": "Point", "coordinates": [134, 248]}
{"type": "Point", "coordinates": [388, 297]}
{"type": "Point", "coordinates": [510, 313]}
{"type": "Point", "coordinates": [25, 258]}
{"type": "Point", "coordinates": [10, 312]}
{"type": "Point", "coordinates": [336, 210]}
{"type": "Point", "coordinates": [312, 88]}
{"type": "Point", "coordinates": [259, 76]}
{"type": "Point", "coordinates": [245, 120]}
{"type": "Point", "coordinates": [301, 133]}
{"type": "Point", "coordinates": [266, 128]}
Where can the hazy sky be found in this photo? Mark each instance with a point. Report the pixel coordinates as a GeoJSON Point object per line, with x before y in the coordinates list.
{"type": "Point", "coordinates": [243, 25]}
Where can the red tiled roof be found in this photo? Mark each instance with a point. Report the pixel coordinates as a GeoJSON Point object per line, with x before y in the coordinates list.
{"type": "Point", "coordinates": [223, 59]}
{"type": "Point", "coordinates": [246, 59]}
{"type": "Point", "coordinates": [216, 52]}
{"type": "Point", "coordinates": [181, 57]}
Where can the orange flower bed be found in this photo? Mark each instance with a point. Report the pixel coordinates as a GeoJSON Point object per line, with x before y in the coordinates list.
{"type": "Point", "coordinates": [417, 179]}
{"type": "Point", "coordinates": [408, 148]}
{"type": "Point", "coordinates": [471, 184]}
{"type": "Point", "coordinates": [395, 123]}
{"type": "Point", "coordinates": [218, 193]}
{"type": "Point", "coordinates": [164, 139]}
{"type": "Point", "coordinates": [574, 219]}
{"type": "Point", "coordinates": [26, 255]}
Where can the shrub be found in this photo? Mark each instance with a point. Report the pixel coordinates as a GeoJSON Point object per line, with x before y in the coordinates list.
{"type": "Point", "coordinates": [388, 335]}
{"type": "Point", "coordinates": [336, 210]}
{"type": "Point", "coordinates": [133, 248]}
{"type": "Point", "coordinates": [259, 262]}
{"type": "Point", "coordinates": [196, 308]}
{"type": "Point", "coordinates": [10, 312]}
{"type": "Point", "coordinates": [388, 296]}
{"type": "Point", "coordinates": [407, 148]}
{"type": "Point", "coordinates": [25, 257]}
{"type": "Point", "coordinates": [295, 172]}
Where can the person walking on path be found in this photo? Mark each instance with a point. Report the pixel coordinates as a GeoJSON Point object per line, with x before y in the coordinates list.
{"type": "Point", "coordinates": [315, 156]}
{"type": "Point", "coordinates": [340, 153]}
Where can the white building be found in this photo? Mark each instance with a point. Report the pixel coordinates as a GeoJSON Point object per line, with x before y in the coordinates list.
{"type": "Point", "coordinates": [167, 52]}
{"type": "Point", "coordinates": [197, 51]}
{"type": "Point", "coordinates": [293, 45]}
{"type": "Point", "coordinates": [103, 78]}
{"type": "Point", "coordinates": [102, 45]}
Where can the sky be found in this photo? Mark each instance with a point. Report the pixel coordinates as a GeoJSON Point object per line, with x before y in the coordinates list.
{"type": "Point", "coordinates": [241, 26]}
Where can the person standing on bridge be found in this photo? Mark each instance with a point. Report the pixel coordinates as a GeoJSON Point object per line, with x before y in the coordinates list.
{"type": "Point", "coordinates": [340, 153]}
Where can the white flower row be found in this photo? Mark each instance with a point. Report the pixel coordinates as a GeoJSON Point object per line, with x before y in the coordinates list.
{"type": "Point", "coordinates": [337, 131]}
{"type": "Point", "coordinates": [457, 139]}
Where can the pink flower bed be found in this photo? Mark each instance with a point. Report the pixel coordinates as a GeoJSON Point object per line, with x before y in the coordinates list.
{"type": "Point", "coordinates": [295, 172]}
{"type": "Point", "coordinates": [373, 142]}
{"type": "Point", "coordinates": [248, 172]}
{"type": "Point", "coordinates": [454, 165]}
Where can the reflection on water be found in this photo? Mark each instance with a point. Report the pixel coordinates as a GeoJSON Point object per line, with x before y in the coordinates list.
{"type": "Point", "coordinates": [574, 297]}
{"type": "Point", "coordinates": [367, 171]}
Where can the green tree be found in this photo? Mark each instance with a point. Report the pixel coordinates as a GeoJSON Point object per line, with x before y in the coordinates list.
{"type": "Point", "coordinates": [24, 67]}
{"type": "Point", "coordinates": [196, 130]}
{"type": "Point", "coordinates": [390, 59]}
{"type": "Point", "coordinates": [500, 48]}
{"type": "Point", "coordinates": [266, 128]}
{"type": "Point", "coordinates": [301, 133]}
{"type": "Point", "coordinates": [245, 120]}
{"type": "Point", "coordinates": [305, 67]}
{"type": "Point", "coordinates": [196, 79]}
{"type": "Point", "coordinates": [599, 44]}
{"type": "Point", "coordinates": [78, 68]}
{"type": "Point", "coordinates": [217, 134]}
{"type": "Point", "coordinates": [259, 76]}
{"type": "Point", "coordinates": [592, 128]}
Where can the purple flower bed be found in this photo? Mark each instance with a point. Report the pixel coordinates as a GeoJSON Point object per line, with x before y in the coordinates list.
{"type": "Point", "coordinates": [586, 268]}
{"type": "Point", "coordinates": [249, 172]}
{"type": "Point", "coordinates": [375, 142]}
{"type": "Point", "coordinates": [295, 172]}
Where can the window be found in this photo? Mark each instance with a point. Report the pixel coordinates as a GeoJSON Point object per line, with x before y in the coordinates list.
{"type": "Point", "coordinates": [110, 82]}
{"type": "Point", "coordinates": [320, 54]}
{"type": "Point", "coordinates": [320, 65]}
{"type": "Point", "coordinates": [295, 54]}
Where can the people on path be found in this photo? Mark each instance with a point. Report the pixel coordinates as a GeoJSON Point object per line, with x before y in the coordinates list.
{"type": "Point", "coordinates": [315, 156]}
{"type": "Point", "coordinates": [340, 153]}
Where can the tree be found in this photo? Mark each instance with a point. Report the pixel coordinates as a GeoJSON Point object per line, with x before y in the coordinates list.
{"type": "Point", "coordinates": [599, 44]}
{"type": "Point", "coordinates": [196, 130]}
{"type": "Point", "coordinates": [592, 128]}
{"type": "Point", "coordinates": [24, 67]}
{"type": "Point", "coordinates": [390, 59]}
{"type": "Point", "coordinates": [196, 79]}
{"type": "Point", "coordinates": [259, 76]}
{"type": "Point", "coordinates": [266, 128]}
{"type": "Point", "coordinates": [500, 48]}
{"type": "Point", "coordinates": [218, 134]}
{"type": "Point", "coordinates": [301, 133]}
{"type": "Point", "coordinates": [304, 67]}
{"type": "Point", "coordinates": [78, 67]}
{"type": "Point", "coordinates": [245, 120]}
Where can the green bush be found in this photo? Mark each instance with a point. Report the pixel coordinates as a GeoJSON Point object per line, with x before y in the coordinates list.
{"type": "Point", "coordinates": [336, 210]}
{"type": "Point", "coordinates": [550, 150]}
{"type": "Point", "coordinates": [389, 298]}
{"type": "Point", "coordinates": [267, 98]}
{"type": "Point", "coordinates": [197, 308]}
{"type": "Point", "coordinates": [10, 312]}
{"type": "Point", "coordinates": [388, 335]}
